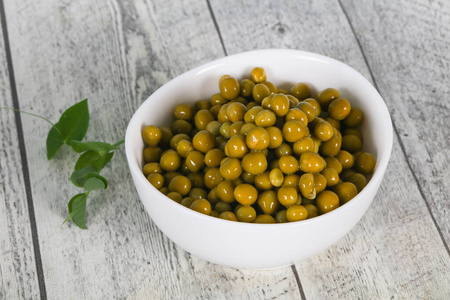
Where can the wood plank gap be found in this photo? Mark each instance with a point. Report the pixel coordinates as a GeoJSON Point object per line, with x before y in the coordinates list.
{"type": "Point", "coordinates": [23, 156]}
{"type": "Point", "coordinates": [402, 146]}
{"type": "Point", "coordinates": [217, 27]}
{"type": "Point", "coordinates": [297, 278]}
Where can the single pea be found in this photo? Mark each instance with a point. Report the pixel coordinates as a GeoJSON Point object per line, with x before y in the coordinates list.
{"type": "Point", "coordinates": [246, 214]}
{"type": "Point", "coordinates": [279, 104]}
{"type": "Point", "coordinates": [245, 194]}
{"type": "Point", "coordinates": [246, 177]}
{"type": "Point", "coordinates": [275, 137]}
{"type": "Point", "coordinates": [156, 179]}
{"type": "Point", "coordinates": [301, 90]}
{"type": "Point", "coordinates": [333, 162]}
{"type": "Point", "coordinates": [224, 129]}
{"type": "Point", "coordinates": [293, 131]}
{"type": "Point", "coordinates": [306, 186]}
{"type": "Point", "coordinates": [197, 179]}
{"type": "Point", "coordinates": [365, 163]}
{"type": "Point", "coordinates": [276, 177]}
{"type": "Point", "coordinates": [351, 143]}
{"type": "Point", "coordinates": [151, 154]}
{"type": "Point", "coordinates": [212, 178]}
{"type": "Point", "coordinates": [359, 180]}
{"type": "Point", "coordinates": [326, 96]}
{"type": "Point", "coordinates": [345, 158]}
{"type": "Point", "coordinates": [166, 135]}
{"type": "Point", "coordinates": [228, 215]}
{"type": "Point", "coordinates": [175, 196]}
{"type": "Point", "coordinates": [267, 101]}
{"type": "Point", "coordinates": [259, 92]}
{"type": "Point", "coordinates": [184, 111]}
{"type": "Point", "coordinates": [280, 217]}
{"type": "Point", "coordinates": [305, 144]}
{"type": "Point", "coordinates": [202, 104]}
{"type": "Point", "coordinates": [236, 147]}
{"type": "Point", "coordinates": [264, 219]}
{"type": "Point", "coordinates": [312, 210]}
{"type": "Point", "coordinates": [311, 162]}
{"type": "Point", "coordinates": [214, 110]}
{"type": "Point", "coordinates": [202, 206]}
{"type": "Point", "coordinates": [339, 109]}
{"type": "Point", "coordinates": [265, 118]}
{"type": "Point", "coordinates": [291, 180]}
{"type": "Point", "coordinates": [213, 127]}
{"type": "Point", "coordinates": [288, 164]}
{"type": "Point", "coordinates": [203, 141]}
{"type": "Point", "coordinates": [297, 114]}
{"type": "Point", "coordinates": [170, 160]}
{"type": "Point", "coordinates": [246, 128]}
{"type": "Point", "coordinates": [229, 88]}
{"type": "Point", "coordinates": [323, 131]}
{"type": "Point", "coordinates": [235, 128]}
{"type": "Point", "coordinates": [187, 201]}
{"type": "Point", "coordinates": [327, 201]}
{"type": "Point", "coordinates": [262, 181]}
{"type": "Point", "coordinates": [202, 119]}
{"type": "Point", "coordinates": [296, 213]}
{"type": "Point", "coordinates": [213, 157]}
{"type": "Point", "coordinates": [258, 74]}
{"type": "Point", "coordinates": [287, 196]}
{"type": "Point", "coordinates": [282, 150]}
{"type": "Point", "coordinates": [195, 161]}
{"type": "Point", "coordinates": [354, 131]}
{"type": "Point", "coordinates": [268, 202]}
{"type": "Point", "coordinates": [230, 168]}
{"type": "Point", "coordinates": [217, 99]}
{"type": "Point", "coordinates": [308, 109]}
{"type": "Point", "coordinates": [151, 135]}
{"type": "Point", "coordinates": [258, 139]}
{"type": "Point", "coordinates": [331, 175]}
{"type": "Point", "coordinates": [225, 191]}
{"type": "Point", "coordinates": [331, 147]}
{"type": "Point", "coordinates": [197, 193]}
{"type": "Point", "coordinates": [254, 162]}
{"type": "Point", "coordinates": [346, 191]}
{"type": "Point", "coordinates": [354, 118]}
{"type": "Point", "coordinates": [246, 87]}
{"type": "Point", "coordinates": [184, 147]}
{"type": "Point", "coordinates": [152, 167]}
{"type": "Point", "coordinates": [180, 184]}
{"type": "Point", "coordinates": [236, 111]}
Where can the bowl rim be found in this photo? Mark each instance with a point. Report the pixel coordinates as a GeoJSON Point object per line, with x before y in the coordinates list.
{"type": "Point", "coordinates": [380, 167]}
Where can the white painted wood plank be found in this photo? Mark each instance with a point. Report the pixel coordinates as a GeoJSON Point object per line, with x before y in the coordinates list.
{"type": "Point", "coordinates": [18, 276]}
{"type": "Point", "coordinates": [114, 53]}
{"type": "Point", "coordinates": [407, 46]}
{"type": "Point", "coordinates": [352, 268]}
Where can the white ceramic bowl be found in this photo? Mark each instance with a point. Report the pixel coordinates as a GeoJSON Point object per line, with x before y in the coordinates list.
{"type": "Point", "coordinates": [259, 246]}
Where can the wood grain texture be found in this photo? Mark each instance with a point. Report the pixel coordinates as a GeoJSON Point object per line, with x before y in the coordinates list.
{"type": "Point", "coordinates": [115, 53]}
{"type": "Point", "coordinates": [18, 278]}
{"type": "Point", "coordinates": [379, 258]}
{"type": "Point", "coordinates": [407, 45]}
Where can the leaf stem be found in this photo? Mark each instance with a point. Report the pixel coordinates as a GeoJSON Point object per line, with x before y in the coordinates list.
{"type": "Point", "coordinates": [28, 113]}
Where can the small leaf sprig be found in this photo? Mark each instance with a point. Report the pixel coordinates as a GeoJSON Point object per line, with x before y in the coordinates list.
{"type": "Point", "coordinates": [70, 130]}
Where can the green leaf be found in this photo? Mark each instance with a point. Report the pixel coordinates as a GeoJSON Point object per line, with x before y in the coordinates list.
{"type": "Point", "coordinates": [93, 159]}
{"type": "Point", "coordinates": [54, 142]}
{"type": "Point", "coordinates": [72, 125]}
{"type": "Point", "coordinates": [95, 182]}
{"type": "Point", "coordinates": [97, 147]}
{"type": "Point", "coordinates": [77, 209]}
{"type": "Point", "coordinates": [80, 176]}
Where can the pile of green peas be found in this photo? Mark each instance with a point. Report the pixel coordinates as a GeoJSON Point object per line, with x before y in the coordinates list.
{"type": "Point", "coordinates": [260, 154]}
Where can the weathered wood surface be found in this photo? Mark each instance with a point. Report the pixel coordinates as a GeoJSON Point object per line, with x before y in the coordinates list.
{"type": "Point", "coordinates": [116, 53]}
{"type": "Point", "coordinates": [18, 276]}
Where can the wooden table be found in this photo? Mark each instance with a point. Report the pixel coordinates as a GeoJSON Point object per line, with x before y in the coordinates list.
{"type": "Point", "coordinates": [116, 53]}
